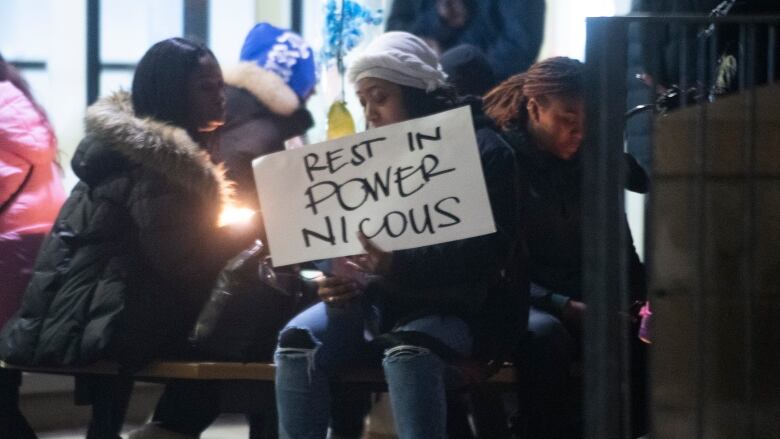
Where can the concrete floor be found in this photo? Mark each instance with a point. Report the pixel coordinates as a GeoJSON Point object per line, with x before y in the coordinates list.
{"type": "Point", "coordinates": [226, 427]}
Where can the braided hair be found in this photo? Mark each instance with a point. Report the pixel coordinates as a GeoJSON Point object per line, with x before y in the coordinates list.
{"type": "Point", "coordinates": [554, 77]}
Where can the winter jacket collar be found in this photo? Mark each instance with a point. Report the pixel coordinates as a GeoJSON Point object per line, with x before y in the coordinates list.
{"type": "Point", "coordinates": [242, 107]}
{"type": "Point", "coordinates": [525, 146]}
{"type": "Point", "coordinates": [266, 86]}
{"type": "Point", "coordinates": [116, 138]}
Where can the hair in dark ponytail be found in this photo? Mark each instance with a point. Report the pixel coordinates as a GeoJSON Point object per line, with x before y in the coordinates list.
{"type": "Point", "coordinates": [553, 77]}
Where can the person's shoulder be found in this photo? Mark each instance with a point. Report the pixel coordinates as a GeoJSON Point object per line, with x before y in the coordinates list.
{"type": "Point", "coordinates": [262, 85]}
{"type": "Point", "coordinates": [239, 102]}
{"type": "Point", "coordinates": [8, 93]}
{"type": "Point", "coordinates": [25, 131]}
{"type": "Point", "coordinates": [15, 104]}
{"type": "Point", "coordinates": [489, 139]}
{"type": "Point", "coordinates": [493, 149]}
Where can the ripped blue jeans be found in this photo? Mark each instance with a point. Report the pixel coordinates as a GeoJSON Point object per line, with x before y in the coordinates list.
{"type": "Point", "coordinates": [324, 340]}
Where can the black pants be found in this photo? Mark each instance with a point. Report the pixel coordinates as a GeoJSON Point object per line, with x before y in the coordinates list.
{"type": "Point", "coordinates": [552, 397]}
{"type": "Point", "coordinates": [12, 422]}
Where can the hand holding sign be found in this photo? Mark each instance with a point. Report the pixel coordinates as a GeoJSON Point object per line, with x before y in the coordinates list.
{"type": "Point", "coordinates": [337, 289]}
{"type": "Point", "coordinates": [374, 261]}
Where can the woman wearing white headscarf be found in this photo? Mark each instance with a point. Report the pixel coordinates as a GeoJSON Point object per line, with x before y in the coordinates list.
{"type": "Point", "coordinates": [432, 305]}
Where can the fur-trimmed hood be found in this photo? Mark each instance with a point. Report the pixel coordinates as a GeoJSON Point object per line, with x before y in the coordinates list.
{"type": "Point", "coordinates": [115, 136]}
{"type": "Point", "coordinates": [268, 87]}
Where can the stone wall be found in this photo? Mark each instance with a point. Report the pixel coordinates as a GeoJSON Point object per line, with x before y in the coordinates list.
{"type": "Point", "coordinates": [714, 229]}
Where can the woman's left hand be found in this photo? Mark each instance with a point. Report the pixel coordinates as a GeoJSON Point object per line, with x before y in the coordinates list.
{"type": "Point", "coordinates": [374, 261]}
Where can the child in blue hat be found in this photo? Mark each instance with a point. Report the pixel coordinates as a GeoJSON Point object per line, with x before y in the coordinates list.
{"type": "Point", "coordinates": [284, 53]}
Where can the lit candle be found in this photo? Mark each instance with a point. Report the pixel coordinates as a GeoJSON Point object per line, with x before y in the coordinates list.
{"type": "Point", "coordinates": [232, 214]}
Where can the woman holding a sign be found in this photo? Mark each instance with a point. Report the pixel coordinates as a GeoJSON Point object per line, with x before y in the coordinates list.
{"type": "Point", "coordinates": [432, 305]}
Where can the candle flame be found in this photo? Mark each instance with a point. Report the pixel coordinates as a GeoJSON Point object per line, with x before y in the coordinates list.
{"type": "Point", "coordinates": [235, 215]}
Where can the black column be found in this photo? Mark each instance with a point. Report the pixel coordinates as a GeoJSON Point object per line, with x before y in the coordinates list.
{"type": "Point", "coordinates": [93, 50]}
{"type": "Point", "coordinates": [196, 20]}
{"type": "Point", "coordinates": [297, 16]}
{"type": "Point", "coordinates": [604, 238]}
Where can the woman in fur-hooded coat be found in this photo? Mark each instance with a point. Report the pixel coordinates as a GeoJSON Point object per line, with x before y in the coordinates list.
{"type": "Point", "coordinates": [134, 251]}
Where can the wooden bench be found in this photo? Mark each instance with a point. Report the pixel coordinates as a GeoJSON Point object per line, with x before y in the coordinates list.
{"type": "Point", "coordinates": [104, 419]}
{"type": "Point", "coordinates": [161, 370]}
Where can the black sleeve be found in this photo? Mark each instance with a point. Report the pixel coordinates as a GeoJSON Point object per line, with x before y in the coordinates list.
{"type": "Point", "coordinates": [180, 240]}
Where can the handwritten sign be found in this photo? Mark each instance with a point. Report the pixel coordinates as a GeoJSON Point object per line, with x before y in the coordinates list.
{"type": "Point", "coordinates": [405, 185]}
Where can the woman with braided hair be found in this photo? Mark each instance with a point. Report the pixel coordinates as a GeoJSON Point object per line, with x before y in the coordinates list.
{"type": "Point", "coordinates": [541, 114]}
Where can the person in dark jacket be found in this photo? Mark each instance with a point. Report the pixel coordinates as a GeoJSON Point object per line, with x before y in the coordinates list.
{"type": "Point", "coordinates": [432, 300]}
{"type": "Point", "coordinates": [138, 243]}
{"type": "Point", "coordinates": [541, 114]}
{"type": "Point", "coordinates": [266, 95]}
{"type": "Point", "coordinates": [509, 32]}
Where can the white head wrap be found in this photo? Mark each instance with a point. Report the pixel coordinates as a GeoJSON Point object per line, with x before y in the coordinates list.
{"type": "Point", "coordinates": [401, 58]}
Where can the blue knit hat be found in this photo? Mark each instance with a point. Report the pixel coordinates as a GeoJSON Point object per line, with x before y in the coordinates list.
{"type": "Point", "coordinates": [283, 52]}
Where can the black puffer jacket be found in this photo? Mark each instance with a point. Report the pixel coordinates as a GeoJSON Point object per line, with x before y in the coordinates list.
{"type": "Point", "coordinates": [133, 252]}
{"type": "Point", "coordinates": [262, 112]}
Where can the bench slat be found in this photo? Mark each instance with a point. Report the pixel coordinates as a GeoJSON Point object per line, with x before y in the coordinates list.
{"type": "Point", "coordinates": [221, 371]}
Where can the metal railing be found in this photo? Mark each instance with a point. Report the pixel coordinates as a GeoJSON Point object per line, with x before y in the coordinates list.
{"type": "Point", "coordinates": [693, 88]}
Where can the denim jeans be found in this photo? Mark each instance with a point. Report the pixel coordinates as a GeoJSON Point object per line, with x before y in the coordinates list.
{"type": "Point", "coordinates": [324, 340]}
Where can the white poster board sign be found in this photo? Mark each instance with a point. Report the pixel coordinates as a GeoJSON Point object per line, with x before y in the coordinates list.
{"type": "Point", "coordinates": [405, 185]}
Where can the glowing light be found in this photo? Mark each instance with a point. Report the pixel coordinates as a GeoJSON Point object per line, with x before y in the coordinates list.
{"type": "Point", "coordinates": [235, 215]}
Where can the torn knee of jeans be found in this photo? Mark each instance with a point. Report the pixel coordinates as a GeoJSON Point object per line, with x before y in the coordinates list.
{"type": "Point", "coordinates": [297, 338]}
{"type": "Point", "coordinates": [405, 351]}
{"type": "Point", "coordinates": [298, 344]}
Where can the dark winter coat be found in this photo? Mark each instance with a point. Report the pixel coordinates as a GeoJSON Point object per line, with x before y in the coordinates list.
{"type": "Point", "coordinates": [508, 31]}
{"type": "Point", "coordinates": [133, 252]}
{"type": "Point", "coordinates": [262, 112]}
{"type": "Point", "coordinates": [463, 277]}
{"type": "Point", "coordinates": [553, 212]}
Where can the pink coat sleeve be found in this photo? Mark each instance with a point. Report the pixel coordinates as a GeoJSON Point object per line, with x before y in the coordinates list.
{"type": "Point", "coordinates": [28, 149]}
{"type": "Point", "coordinates": [13, 171]}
